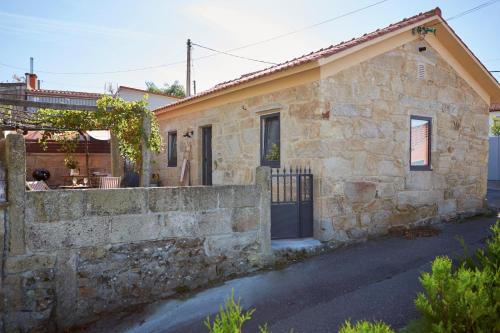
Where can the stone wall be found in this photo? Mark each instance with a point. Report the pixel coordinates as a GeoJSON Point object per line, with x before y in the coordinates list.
{"type": "Point", "coordinates": [353, 129]}
{"type": "Point", "coordinates": [3, 205]}
{"type": "Point", "coordinates": [86, 252]}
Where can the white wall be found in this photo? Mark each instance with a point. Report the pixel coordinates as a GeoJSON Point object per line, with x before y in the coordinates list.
{"type": "Point", "coordinates": [154, 100]}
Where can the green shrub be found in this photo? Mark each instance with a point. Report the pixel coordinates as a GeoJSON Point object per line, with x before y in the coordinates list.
{"type": "Point", "coordinates": [467, 299]}
{"type": "Point", "coordinates": [366, 327]}
{"type": "Point", "coordinates": [231, 317]}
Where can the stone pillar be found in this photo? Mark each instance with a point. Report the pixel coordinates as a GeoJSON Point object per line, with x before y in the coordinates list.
{"type": "Point", "coordinates": [262, 179]}
{"type": "Point", "coordinates": [145, 178]}
{"type": "Point", "coordinates": [15, 165]}
{"type": "Point", "coordinates": [116, 159]}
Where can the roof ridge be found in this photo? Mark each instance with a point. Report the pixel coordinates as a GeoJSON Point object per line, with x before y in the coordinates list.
{"type": "Point", "coordinates": [63, 92]}
{"type": "Point", "coordinates": [309, 57]}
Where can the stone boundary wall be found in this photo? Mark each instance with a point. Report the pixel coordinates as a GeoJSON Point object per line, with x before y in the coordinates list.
{"type": "Point", "coordinates": [3, 205]}
{"type": "Point", "coordinates": [75, 254]}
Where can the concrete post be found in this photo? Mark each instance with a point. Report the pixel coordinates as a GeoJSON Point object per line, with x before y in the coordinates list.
{"type": "Point", "coordinates": [145, 179]}
{"type": "Point", "coordinates": [116, 159]}
{"type": "Point", "coordinates": [15, 164]}
{"type": "Point", "coordinates": [262, 179]}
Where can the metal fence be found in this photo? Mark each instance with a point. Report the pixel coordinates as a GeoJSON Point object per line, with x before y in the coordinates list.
{"type": "Point", "coordinates": [291, 203]}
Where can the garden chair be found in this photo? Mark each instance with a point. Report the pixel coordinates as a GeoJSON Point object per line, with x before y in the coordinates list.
{"type": "Point", "coordinates": [109, 182]}
{"type": "Point", "coordinates": [38, 185]}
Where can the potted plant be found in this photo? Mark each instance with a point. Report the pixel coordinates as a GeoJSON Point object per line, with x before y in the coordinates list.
{"type": "Point", "coordinates": [72, 165]}
{"type": "Point", "coordinates": [155, 180]}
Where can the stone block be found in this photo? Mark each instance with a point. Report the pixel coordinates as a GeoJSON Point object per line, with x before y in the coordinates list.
{"type": "Point", "coordinates": [24, 263]}
{"type": "Point", "coordinates": [15, 163]}
{"type": "Point", "coordinates": [230, 245]}
{"type": "Point", "coordinates": [245, 219]}
{"type": "Point", "coordinates": [323, 229]}
{"type": "Point", "coordinates": [198, 198]}
{"type": "Point", "coordinates": [180, 224]}
{"type": "Point", "coordinates": [365, 219]}
{"type": "Point", "coordinates": [345, 110]}
{"type": "Point", "coordinates": [89, 231]}
{"type": "Point", "coordinates": [419, 181]}
{"type": "Point", "coordinates": [360, 192]}
{"type": "Point", "coordinates": [390, 168]}
{"type": "Point", "coordinates": [338, 166]}
{"type": "Point", "coordinates": [133, 228]}
{"type": "Point", "coordinates": [115, 201]}
{"type": "Point", "coordinates": [213, 222]}
{"type": "Point", "coordinates": [385, 190]}
{"type": "Point", "coordinates": [447, 207]}
{"type": "Point", "coordinates": [238, 196]}
{"type": "Point", "coordinates": [163, 199]}
{"type": "Point", "coordinates": [417, 198]}
{"type": "Point", "coordinates": [51, 206]}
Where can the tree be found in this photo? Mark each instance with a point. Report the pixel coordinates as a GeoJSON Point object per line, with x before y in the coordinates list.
{"type": "Point", "coordinates": [124, 119]}
{"type": "Point", "coordinates": [175, 89]}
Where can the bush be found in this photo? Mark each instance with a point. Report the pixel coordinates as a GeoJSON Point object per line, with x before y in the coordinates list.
{"type": "Point", "coordinates": [231, 318]}
{"type": "Point", "coordinates": [465, 300]}
{"type": "Point", "coordinates": [365, 327]}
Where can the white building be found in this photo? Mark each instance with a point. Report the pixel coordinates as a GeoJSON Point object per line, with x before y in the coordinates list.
{"type": "Point", "coordinates": [155, 100]}
{"type": "Point", "coordinates": [494, 152]}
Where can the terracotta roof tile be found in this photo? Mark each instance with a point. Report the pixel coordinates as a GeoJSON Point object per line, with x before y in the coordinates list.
{"type": "Point", "coordinates": [310, 57]}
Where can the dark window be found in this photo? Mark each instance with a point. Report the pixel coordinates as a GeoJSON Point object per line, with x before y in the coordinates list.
{"type": "Point", "coordinates": [172, 149]}
{"type": "Point", "coordinates": [420, 143]}
{"type": "Point", "coordinates": [270, 140]}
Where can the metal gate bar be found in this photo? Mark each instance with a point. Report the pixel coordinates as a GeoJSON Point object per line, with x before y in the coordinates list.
{"type": "Point", "coordinates": [291, 203]}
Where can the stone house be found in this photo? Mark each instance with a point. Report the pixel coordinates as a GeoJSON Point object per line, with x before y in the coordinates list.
{"type": "Point", "coordinates": [393, 124]}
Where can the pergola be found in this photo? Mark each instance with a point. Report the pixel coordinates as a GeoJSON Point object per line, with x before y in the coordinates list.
{"type": "Point", "coordinates": [14, 119]}
{"type": "Point", "coordinates": [18, 120]}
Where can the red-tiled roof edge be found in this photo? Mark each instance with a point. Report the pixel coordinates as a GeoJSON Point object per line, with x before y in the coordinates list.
{"type": "Point", "coordinates": [65, 93]}
{"type": "Point", "coordinates": [342, 46]}
{"type": "Point", "coordinates": [149, 92]}
{"type": "Point", "coordinates": [470, 51]}
{"type": "Point", "coordinates": [495, 107]}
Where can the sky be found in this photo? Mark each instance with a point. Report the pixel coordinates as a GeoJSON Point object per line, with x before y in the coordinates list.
{"type": "Point", "coordinates": [74, 41]}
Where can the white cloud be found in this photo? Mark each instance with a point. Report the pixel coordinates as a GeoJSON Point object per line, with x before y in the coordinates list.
{"type": "Point", "coordinates": [15, 23]}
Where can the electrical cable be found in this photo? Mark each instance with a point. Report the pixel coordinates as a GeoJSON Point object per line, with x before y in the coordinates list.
{"type": "Point", "coordinates": [234, 55]}
{"type": "Point", "coordinates": [209, 55]}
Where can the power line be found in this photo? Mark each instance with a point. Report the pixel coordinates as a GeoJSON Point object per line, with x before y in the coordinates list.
{"type": "Point", "coordinates": [226, 52]}
{"type": "Point", "coordinates": [213, 54]}
{"type": "Point", "coordinates": [307, 27]}
{"type": "Point", "coordinates": [234, 55]}
{"type": "Point", "coordinates": [478, 7]}
{"type": "Point", "coordinates": [468, 11]}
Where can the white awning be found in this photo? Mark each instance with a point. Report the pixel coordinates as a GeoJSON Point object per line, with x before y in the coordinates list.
{"type": "Point", "coordinates": [100, 135]}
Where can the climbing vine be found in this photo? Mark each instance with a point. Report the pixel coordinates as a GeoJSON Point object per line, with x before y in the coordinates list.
{"type": "Point", "coordinates": [124, 119]}
{"type": "Point", "coordinates": [69, 142]}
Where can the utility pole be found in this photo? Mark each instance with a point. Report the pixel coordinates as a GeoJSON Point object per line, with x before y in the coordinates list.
{"type": "Point", "coordinates": [194, 87]}
{"type": "Point", "coordinates": [188, 69]}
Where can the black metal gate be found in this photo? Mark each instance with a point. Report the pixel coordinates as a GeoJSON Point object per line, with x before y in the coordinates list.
{"type": "Point", "coordinates": [291, 203]}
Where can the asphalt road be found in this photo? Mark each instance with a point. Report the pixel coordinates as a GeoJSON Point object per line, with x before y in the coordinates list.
{"type": "Point", "coordinates": [375, 280]}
